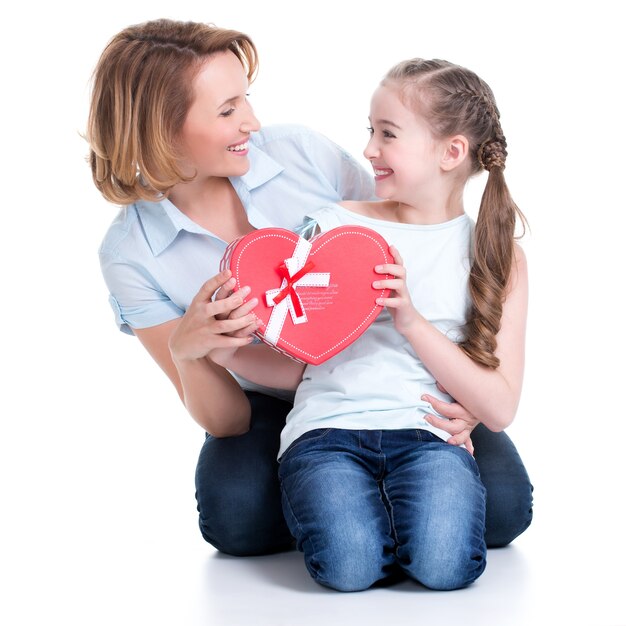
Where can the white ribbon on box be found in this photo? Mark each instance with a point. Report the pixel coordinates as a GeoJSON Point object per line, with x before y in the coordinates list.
{"type": "Point", "coordinates": [310, 279]}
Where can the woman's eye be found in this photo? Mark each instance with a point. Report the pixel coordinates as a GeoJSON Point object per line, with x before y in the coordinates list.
{"type": "Point", "coordinates": [388, 135]}
{"type": "Point", "coordinates": [370, 130]}
{"type": "Point", "coordinates": [227, 113]}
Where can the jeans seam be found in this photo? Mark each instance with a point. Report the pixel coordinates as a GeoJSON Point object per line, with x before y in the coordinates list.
{"type": "Point", "coordinates": [286, 496]}
{"type": "Point", "coordinates": [394, 534]}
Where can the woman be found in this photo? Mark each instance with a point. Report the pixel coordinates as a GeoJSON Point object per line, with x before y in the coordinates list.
{"type": "Point", "coordinates": [173, 138]}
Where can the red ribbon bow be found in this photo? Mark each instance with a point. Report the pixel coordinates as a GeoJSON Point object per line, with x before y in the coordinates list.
{"type": "Point", "coordinates": [288, 289]}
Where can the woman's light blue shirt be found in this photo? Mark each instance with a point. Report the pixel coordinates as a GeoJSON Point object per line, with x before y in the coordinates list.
{"type": "Point", "coordinates": [154, 259]}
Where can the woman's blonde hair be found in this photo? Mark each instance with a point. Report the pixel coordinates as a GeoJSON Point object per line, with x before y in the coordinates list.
{"type": "Point", "coordinates": [142, 91]}
{"type": "Point", "coordinates": [455, 101]}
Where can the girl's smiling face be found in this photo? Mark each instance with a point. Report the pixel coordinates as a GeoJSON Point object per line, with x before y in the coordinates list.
{"type": "Point", "coordinates": [402, 149]}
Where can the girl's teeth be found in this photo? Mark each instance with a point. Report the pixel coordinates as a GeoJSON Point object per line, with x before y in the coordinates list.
{"type": "Point", "coordinates": [239, 148]}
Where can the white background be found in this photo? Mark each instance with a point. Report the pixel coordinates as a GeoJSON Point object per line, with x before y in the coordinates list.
{"type": "Point", "coordinates": [96, 453]}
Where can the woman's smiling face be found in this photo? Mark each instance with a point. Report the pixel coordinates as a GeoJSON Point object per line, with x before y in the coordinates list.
{"type": "Point", "coordinates": [214, 137]}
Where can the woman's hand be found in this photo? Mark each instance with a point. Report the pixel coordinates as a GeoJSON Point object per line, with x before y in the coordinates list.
{"type": "Point", "coordinates": [399, 303]}
{"type": "Point", "coordinates": [201, 331]}
{"type": "Point", "coordinates": [460, 422]}
{"type": "Point", "coordinates": [224, 356]}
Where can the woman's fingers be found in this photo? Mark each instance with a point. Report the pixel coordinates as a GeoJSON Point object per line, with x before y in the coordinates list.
{"type": "Point", "coordinates": [221, 309]}
{"type": "Point", "coordinates": [225, 290]}
{"type": "Point", "coordinates": [453, 427]}
{"type": "Point", "coordinates": [463, 439]}
{"type": "Point", "coordinates": [206, 292]}
{"type": "Point", "coordinates": [231, 341]}
{"type": "Point", "coordinates": [459, 422]}
{"type": "Point", "coordinates": [225, 327]}
{"type": "Point", "coordinates": [220, 286]}
{"type": "Point", "coordinates": [244, 309]}
{"type": "Point", "coordinates": [247, 330]}
{"type": "Point", "coordinates": [452, 410]}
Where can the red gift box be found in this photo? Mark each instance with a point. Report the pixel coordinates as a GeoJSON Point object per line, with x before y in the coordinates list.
{"type": "Point", "coordinates": [315, 297]}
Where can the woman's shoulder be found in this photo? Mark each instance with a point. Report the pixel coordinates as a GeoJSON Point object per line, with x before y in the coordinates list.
{"type": "Point", "coordinates": [293, 139]}
{"type": "Point", "coordinates": [131, 233]}
{"type": "Point", "coordinates": [295, 133]}
{"type": "Point", "coordinates": [119, 229]}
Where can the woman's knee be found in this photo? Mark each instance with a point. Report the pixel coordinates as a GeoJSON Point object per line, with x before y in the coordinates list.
{"type": "Point", "coordinates": [509, 490]}
{"type": "Point", "coordinates": [238, 497]}
{"type": "Point", "coordinates": [244, 540]}
{"type": "Point", "coordinates": [509, 514]}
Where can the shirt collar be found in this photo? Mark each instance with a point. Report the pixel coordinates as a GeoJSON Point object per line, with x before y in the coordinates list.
{"type": "Point", "coordinates": [262, 168]}
{"type": "Point", "coordinates": [162, 221]}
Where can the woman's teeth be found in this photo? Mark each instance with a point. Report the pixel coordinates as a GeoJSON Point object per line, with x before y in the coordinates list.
{"type": "Point", "coordinates": [239, 148]}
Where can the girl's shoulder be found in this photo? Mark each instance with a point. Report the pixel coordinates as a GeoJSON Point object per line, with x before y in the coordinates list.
{"type": "Point", "coordinates": [375, 209]}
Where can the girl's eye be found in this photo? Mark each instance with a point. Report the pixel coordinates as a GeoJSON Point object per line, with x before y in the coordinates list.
{"type": "Point", "coordinates": [385, 133]}
{"type": "Point", "coordinates": [227, 113]}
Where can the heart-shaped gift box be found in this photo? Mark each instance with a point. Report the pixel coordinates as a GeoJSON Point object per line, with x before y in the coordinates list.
{"type": "Point", "coordinates": [315, 297]}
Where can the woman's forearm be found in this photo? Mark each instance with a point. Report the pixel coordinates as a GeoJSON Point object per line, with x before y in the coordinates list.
{"type": "Point", "coordinates": [213, 398]}
{"type": "Point", "coordinates": [263, 365]}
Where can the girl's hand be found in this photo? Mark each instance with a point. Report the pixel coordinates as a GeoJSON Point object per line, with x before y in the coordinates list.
{"type": "Point", "coordinates": [399, 304]}
{"type": "Point", "coordinates": [200, 330]}
{"type": "Point", "coordinates": [460, 422]}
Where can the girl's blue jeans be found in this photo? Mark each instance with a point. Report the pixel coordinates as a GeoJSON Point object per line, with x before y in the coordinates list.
{"type": "Point", "coordinates": [239, 500]}
{"type": "Point", "coordinates": [361, 502]}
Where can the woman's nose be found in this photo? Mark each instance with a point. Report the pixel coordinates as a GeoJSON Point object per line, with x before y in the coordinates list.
{"type": "Point", "coordinates": [250, 123]}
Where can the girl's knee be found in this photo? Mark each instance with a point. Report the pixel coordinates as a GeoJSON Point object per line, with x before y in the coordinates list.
{"type": "Point", "coordinates": [348, 574]}
{"type": "Point", "coordinates": [346, 564]}
{"type": "Point", "coordinates": [449, 573]}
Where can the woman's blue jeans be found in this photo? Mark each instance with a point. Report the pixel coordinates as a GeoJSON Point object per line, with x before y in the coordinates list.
{"type": "Point", "coordinates": [238, 492]}
{"type": "Point", "coordinates": [361, 502]}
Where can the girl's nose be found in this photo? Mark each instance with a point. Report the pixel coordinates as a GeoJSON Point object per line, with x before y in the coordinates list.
{"type": "Point", "coordinates": [371, 151]}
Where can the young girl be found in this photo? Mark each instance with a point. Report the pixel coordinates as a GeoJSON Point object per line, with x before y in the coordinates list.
{"type": "Point", "coordinates": [368, 479]}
